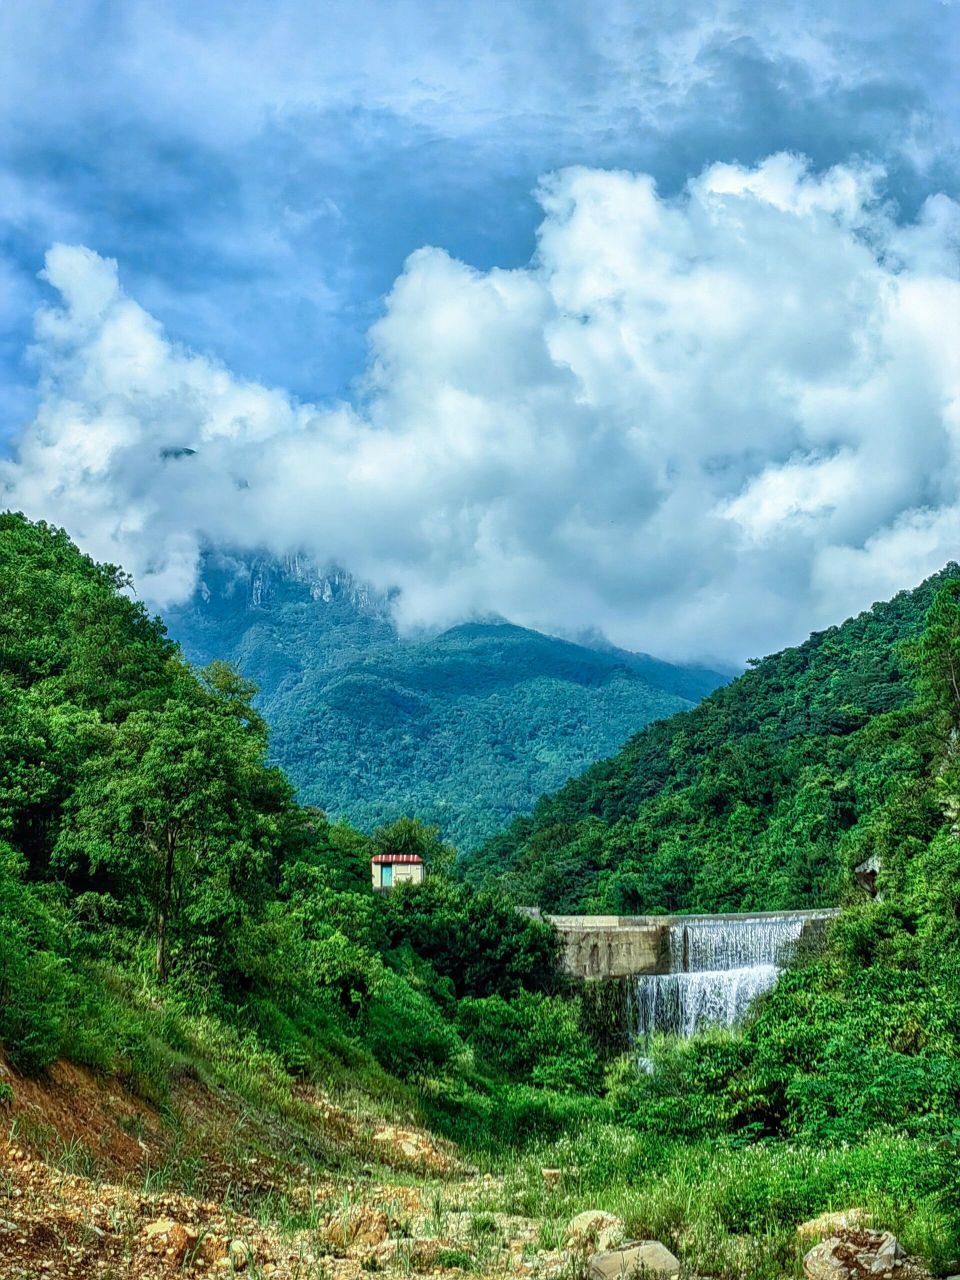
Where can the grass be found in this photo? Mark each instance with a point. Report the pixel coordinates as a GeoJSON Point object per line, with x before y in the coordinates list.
{"type": "Point", "coordinates": [69, 1155]}
{"type": "Point", "coordinates": [733, 1211]}
{"type": "Point", "coordinates": [728, 1211]}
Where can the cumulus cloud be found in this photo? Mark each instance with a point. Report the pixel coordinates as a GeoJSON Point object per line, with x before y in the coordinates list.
{"type": "Point", "coordinates": [237, 159]}
{"type": "Point", "coordinates": [703, 424]}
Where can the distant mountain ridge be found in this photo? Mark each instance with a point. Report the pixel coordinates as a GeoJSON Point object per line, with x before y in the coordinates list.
{"type": "Point", "coordinates": [465, 728]}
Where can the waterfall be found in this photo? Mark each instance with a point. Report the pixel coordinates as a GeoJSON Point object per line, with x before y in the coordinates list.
{"type": "Point", "coordinates": [716, 969]}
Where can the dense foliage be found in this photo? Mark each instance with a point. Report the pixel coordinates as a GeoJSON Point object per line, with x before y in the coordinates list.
{"type": "Point", "coordinates": [463, 729]}
{"type": "Point", "coordinates": [860, 1040]}
{"type": "Point", "coordinates": [165, 903]}
{"type": "Point", "coordinates": [767, 796]}
{"type": "Point", "coordinates": [151, 861]}
{"type": "Point", "coordinates": [759, 798]}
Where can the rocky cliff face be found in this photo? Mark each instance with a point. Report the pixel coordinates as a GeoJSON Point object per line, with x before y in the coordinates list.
{"type": "Point", "coordinates": [260, 581]}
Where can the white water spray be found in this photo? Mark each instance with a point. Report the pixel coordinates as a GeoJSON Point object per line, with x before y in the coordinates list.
{"type": "Point", "coordinates": [717, 968]}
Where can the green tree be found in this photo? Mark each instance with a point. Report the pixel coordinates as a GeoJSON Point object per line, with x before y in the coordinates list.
{"type": "Point", "coordinates": [180, 810]}
{"type": "Point", "coordinates": [938, 655]}
{"type": "Point", "coordinates": [478, 940]}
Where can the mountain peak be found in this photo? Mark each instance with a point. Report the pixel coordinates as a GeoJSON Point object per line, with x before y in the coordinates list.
{"type": "Point", "coordinates": [262, 580]}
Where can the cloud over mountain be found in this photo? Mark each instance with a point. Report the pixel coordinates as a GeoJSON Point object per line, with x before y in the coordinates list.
{"type": "Point", "coordinates": [699, 422]}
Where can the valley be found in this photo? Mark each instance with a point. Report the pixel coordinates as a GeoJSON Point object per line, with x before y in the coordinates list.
{"type": "Point", "coordinates": [464, 729]}
{"type": "Point", "coordinates": [225, 1053]}
{"type": "Point", "coordinates": [479, 640]}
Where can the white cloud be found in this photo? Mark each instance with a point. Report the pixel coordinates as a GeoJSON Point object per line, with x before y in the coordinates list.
{"type": "Point", "coordinates": [704, 425]}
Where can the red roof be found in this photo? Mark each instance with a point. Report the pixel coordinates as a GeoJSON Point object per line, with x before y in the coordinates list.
{"type": "Point", "coordinates": [379, 859]}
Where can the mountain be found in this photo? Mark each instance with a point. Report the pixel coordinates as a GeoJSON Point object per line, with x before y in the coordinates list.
{"type": "Point", "coordinates": [464, 729]}
{"type": "Point", "coordinates": [178, 938]}
{"type": "Point", "coordinates": [760, 798]}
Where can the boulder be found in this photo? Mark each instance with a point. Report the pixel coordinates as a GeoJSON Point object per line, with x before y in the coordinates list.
{"type": "Point", "coordinates": [828, 1224]}
{"type": "Point", "coordinates": [853, 1253]}
{"type": "Point", "coordinates": [642, 1258]}
{"type": "Point", "coordinates": [584, 1231]}
{"type": "Point", "coordinates": [610, 1237]}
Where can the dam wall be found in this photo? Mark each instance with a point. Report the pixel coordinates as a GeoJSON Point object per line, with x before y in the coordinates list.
{"type": "Point", "coordinates": [634, 946]}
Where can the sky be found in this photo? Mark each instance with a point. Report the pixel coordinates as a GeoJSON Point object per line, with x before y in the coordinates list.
{"type": "Point", "coordinates": [632, 318]}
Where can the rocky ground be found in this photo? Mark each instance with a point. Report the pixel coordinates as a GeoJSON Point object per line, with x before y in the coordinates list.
{"type": "Point", "coordinates": [88, 1188]}
{"type": "Point", "coordinates": [62, 1226]}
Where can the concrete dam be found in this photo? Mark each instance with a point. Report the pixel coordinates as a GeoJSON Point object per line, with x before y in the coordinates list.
{"type": "Point", "coordinates": [679, 974]}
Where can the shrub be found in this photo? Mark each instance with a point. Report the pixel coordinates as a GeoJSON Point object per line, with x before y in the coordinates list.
{"type": "Point", "coordinates": [407, 1033]}
{"type": "Point", "coordinates": [534, 1039]}
{"type": "Point", "coordinates": [34, 984]}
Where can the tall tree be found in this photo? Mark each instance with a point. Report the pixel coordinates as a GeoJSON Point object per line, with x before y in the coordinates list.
{"type": "Point", "coordinates": [179, 808]}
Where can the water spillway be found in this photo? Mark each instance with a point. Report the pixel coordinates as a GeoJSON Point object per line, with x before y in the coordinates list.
{"type": "Point", "coordinates": [677, 974]}
{"type": "Point", "coordinates": [715, 969]}
{"type": "Point", "coordinates": [712, 943]}
{"type": "Point", "coordinates": [685, 1003]}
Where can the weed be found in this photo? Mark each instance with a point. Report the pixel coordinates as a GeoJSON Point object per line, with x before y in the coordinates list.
{"type": "Point", "coordinates": [553, 1234]}
{"type": "Point", "coordinates": [456, 1258]}
{"type": "Point", "coordinates": [437, 1218]}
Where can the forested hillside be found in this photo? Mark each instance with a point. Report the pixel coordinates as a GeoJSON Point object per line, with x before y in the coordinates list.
{"type": "Point", "coordinates": [760, 798]}
{"type": "Point", "coordinates": [164, 903]}
{"type": "Point", "coordinates": [465, 729]}
{"type": "Point", "coordinates": [171, 920]}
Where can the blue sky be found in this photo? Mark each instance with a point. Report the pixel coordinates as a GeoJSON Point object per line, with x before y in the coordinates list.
{"type": "Point", "coordinates": [261, 173]}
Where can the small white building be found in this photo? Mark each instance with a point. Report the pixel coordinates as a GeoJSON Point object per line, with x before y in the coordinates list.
{"type": "Point", "coordinates": [389, 869]}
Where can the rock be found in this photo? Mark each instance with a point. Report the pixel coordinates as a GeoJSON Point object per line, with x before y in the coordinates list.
{"type": "Point", "coordinates": [643, 1258]}
{"type": "Point", "coordinates": [170, 1238]}
{"type": "Point", "coordinates": [159, 1227]}
{"type": "Point", "coordinates": [212, 1248]}
{"type": "Point", "coordinates": [410, 1146]}
{"type": "Point", "coordinates": [180, 1240]}
{"type": "Point", "coordinates": [359, 1225]}
{"type": "Point", "coordinates": [828, 1224]}
{"type": "Point", "coordinates": [855, 1252]}
{"type": "Point", "coordinates": [423, 1253]}
{"type": "Point", "coordinates": [583, 1231]}
{"type": "Point", "coordinates": [238, 1254]}
{"type": "Point", "coordinates": [610, 1237]}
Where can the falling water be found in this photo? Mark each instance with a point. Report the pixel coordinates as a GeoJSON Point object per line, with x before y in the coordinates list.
{"type": "Point", "coordinates": [716, 969]}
